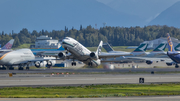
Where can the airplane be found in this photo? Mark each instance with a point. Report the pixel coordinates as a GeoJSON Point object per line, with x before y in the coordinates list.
{"type": "Point", "coordinates": [20, 58]}
{"type": "Point", "coordinates": [174, 55]}
{"type": "Point", "coordinates": [139, 51]}
{"type": "Point", "coordinates": [8, 45]}
{"type": "Point", "coordinates": [149, 57]}
{"type": "Point", "coordinates": [75, 50]}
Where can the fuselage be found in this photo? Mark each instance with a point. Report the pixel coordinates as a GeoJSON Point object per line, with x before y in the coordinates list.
{"type": "Point", "coordinates": [175, 56]}
{"type": "Point", "coordinates": [15, 57]}
{"type": "Point", "coordinates": [78, 51]}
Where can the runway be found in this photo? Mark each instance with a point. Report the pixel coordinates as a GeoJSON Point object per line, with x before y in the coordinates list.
{"type": "Point", "coordinates": [91, 70]}
{"type": "Point", "coordinates": [34, 80]}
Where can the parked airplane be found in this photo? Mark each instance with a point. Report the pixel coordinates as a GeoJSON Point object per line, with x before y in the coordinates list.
{"type": "Point", "coordinates": [8, 46]}
{"type": "Point", "coordinates": [149, 57]}
{"type": "Point", "coordinates": [81, 53]}
{"type": "Point", "coordinates": [174, 55]}
{"type": "Point", "coordinates": [139, 51]}
{"type": "Point", "coordinates": [20, 58]}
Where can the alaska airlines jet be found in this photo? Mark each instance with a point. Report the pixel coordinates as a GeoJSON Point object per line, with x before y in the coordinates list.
{"type": "Point", "coordinates": [174, 55]}
{"type": "Point", "coordinates": [20, 58]}
{"type": "Point", "coordinates": [8, 45]}
{"type": "Point", "coordinates": [81, 53]}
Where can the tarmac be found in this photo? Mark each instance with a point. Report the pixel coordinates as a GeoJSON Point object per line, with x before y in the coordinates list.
{"type": "Point", "coordinates": [34, 80]}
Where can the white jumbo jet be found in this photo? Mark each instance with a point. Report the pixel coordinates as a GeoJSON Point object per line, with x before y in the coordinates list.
{"type": "Point", "coordinates": [21, 58]}
{"type": "Point", "coordinates": [81, 53]}
{"type": "Point", "coordinates": [157, 54]}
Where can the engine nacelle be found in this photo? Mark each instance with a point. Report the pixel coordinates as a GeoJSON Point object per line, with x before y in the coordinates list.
{"type": "Point", "coordinates": [38, 64]}
{"type": "Point", "coordinates": [149, 62]}
{"type": "Point", "coordinates": [93, 56]}
{"type": "Point", "coordinates": [169, 64]}
{"type": "Point", "coordinates": [51, 63]}
{"type": "Point", "coordinates": [62, 55]}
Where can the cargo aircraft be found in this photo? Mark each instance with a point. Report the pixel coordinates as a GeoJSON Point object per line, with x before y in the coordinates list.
{"type": "Point", "coordinates": [76, 51]}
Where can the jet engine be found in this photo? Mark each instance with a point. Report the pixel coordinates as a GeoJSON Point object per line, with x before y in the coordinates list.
{"type": "Point", "coordinates": [149, 62]}
{"type": "Point", "coordinates": [62, 55]}
{"type": "Point", "coordinates": [93, 56]}
{"type": "Point", "coordinates": [51, 63]}
{"type": "Point", "coordinates": [38, 64]}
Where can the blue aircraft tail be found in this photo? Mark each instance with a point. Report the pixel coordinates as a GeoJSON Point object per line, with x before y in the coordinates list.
{"type": "Point", "coordinates": [170, 44]}
{"type": "Point", "coordinates": [61, 48]}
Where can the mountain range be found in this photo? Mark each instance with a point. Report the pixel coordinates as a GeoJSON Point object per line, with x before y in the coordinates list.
{"type": "Point", "coordinates": [170, 16]}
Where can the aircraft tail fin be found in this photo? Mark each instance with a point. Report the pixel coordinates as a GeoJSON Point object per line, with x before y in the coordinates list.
{"type": "Point", "coordinates": [177, 48]}
{"type": "Point", "coordinates": [61, 48]}
{"type": "Point", "coordinates": [170, 44]}
{"type": "Point", "coordinates": [107, 47]}
{"type": "Point", "coordinates": [99, 48]}
{"type": "Point", "coordinates": [160, 47]}
{"type": "Point", "coordinates": [141, 48]}
{"type": "Point", "coordinates": [8, 45]}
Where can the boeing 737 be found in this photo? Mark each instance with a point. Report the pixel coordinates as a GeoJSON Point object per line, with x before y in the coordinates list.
{"type": "Point", "coordinates": [20, 58]}
{"type": "Point", "coordinates": [81, 53]}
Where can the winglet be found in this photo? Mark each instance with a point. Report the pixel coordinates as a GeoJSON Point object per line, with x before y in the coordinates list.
{"type": "Point", "coordinates": [141, 48]}
{"type": "Point", "coordinates": [107, 47]}
{"type": "Point", "coordinates": [99, 48]}
{"type": "Point", "coordinates": [160, 47]}
{"type": "Point", "coordinates": [170, 44]}
{"type": "Point", "coordinates": [8, 45]}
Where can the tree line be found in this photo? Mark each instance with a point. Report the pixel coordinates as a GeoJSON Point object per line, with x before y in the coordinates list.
{"type": "Point", "coordinates": [89, 36]}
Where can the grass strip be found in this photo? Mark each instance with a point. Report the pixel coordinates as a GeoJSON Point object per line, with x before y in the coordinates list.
{"type": "Point", "coordinates": [112, 90]}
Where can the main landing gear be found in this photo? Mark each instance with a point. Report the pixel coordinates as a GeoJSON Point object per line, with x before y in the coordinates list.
{"type": "Point", "coordinates": [90, 64]}
{"type": "Point", "coordinates": [73, 63]}
{"type": "Point", "coordinates": [11, 68]}
{"type": "Point", "coordinates": [176, 66]}
{"type": "Point", "coordinates": [3, 68]}
{"type": "Point", "coordinates": [27, 68]}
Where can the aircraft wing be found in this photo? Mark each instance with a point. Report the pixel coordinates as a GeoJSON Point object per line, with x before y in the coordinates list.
{"type": "Point", "coordinates": [151, 59]}
{"type": "Point", "coordinates": [113, 55]}
{"type": "Point", "coordinates": [17, 62]}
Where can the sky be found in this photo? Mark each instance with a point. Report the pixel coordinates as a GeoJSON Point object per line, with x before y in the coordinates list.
{"type": "Point", "coordinates": [56, 14]}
